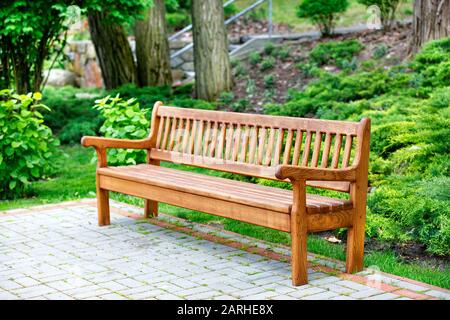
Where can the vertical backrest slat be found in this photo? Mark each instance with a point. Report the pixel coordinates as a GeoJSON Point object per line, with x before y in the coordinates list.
{"type": "Point", "coordinates": [253, 144]}
{"type": "Point", "coordinates": [297, 147]}
{"type": "Point", "coordinates": [316, 152]}
{"type": "Point", "coordinates": [244, 148]}
{"type": "Point", "coordinates": [236, 142]}
{"type": "Point", "coordinates": [213, 139]}
{"type": "Point", "coordinates": [287, 147]}
{"type": "Point", "coordinates": [262, 141]}
{"type": "Point", "coordinates": [192, 137]}
{"type": "Point", "coordinates": [269, 149]}
{"type": "Point", "coordinates": [186, 135]}
{"type": "Point", "coordinates": [206, 140]}
{"type": "Point", "coordinates": [306, 149]}
{"type": "Point", "coordinates": [173, 129]}
{"type": "Point", "coordinates": [166, 133]}
{"type": "Point", "coordinates": [199, 139]}
{"type": "Point", "coordinates": [336, 151]}
{"type": "Point", "coordinates": [278, 147]}
{"type": "Point", "coordinates": [229, 141]}
{"type": "Point", "coordinates": [160, 133]}
{"type": "Point", "coordinates": [222, 137]}
{"type": "Point", "coordinates": [326, 151]}
{"type": "Point", "coordinates": [347, 150]}
{"type": "Point", "coordinates": [179, 135]}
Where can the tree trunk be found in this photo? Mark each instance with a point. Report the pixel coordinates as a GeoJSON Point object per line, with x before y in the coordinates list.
{"type": "Point", "coordinates": [211, 59]}
{"type": "Point", "coordinates": [431, 20]}
{"type": "Point", "coordinates": [152, 47]}
{"type": "Point", "coordinates": [113, 51]}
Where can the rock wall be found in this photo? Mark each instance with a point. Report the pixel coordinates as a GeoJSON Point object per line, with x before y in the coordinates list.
{"type": "Point", "coordinates": [82, 62]}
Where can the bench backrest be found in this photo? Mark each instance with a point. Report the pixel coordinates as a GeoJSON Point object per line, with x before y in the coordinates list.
{"type": "Point", "coordinates": [252, 144]}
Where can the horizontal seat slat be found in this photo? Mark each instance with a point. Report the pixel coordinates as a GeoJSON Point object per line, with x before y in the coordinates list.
{"type": "Point", "coordinates": [216, 187]}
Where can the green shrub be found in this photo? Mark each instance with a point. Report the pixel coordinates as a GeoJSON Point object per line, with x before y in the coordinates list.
{"type": "Point", "coordinates": [269, 81]}
{"type": "Point", "coordinates": [335, 52]}
{"type": "Point", "coordinates": [267, 63]}
{"type": "Point", "coordinates": [177, 20]}
{"type": "Point", "coordinates": [380, 51]}
{"type": "Point", "coordinates": [240, 106]}
{"type": "Point", "coordinates": [26, 144]}
{"type": "Point", "coordinates": [254, 58]}
{"type": "Point", "coordinates": [124, 119]}
{"type": "Point", "coordinates": [226, 97]}
{"type": "Point", "coordinates": [323, 13]}
{"type": "Point", "coordinates": [269, 48]}
{"type": "Point", "coordinates": [283, 53]}
{"type": "Point", "coordinates": [75, 130]}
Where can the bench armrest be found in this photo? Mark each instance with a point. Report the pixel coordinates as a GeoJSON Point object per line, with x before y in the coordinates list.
{"type": "Point", "coordinates": [294, 173]}
{"type": "Point", "coordinates": [106, 143]}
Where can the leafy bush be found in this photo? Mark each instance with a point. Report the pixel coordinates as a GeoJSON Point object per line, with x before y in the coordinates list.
{"type": "Point", "coordinates": [240, 106]}
{"type": "Point", "coordinates": [269, 48]}
{"type": "Point", "coordinates": [75, 130]}
{"type": "Point", "coordinates": [124, 119]}
{"type": "Point", "coordinates": [335, 52]}
{"type": "Point", "coordinates": [226, 97]}
{"type": "Point", "coordinates": [409, 168]}
{"type": "Point", "coordinates": [269, 81]}
{"type": "Point", "coordinates": [322, 13]}
{"type": "Point", "coordinates": [380, 51]}
{"type": "Point", "coordinates": [254, 58]}
{"type": "Point", "coordinates": [26, 144]}
{"type": "Point", "coordinates": [267, 63]}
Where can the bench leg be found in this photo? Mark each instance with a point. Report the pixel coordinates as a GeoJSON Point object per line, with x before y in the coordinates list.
{"type": "Point", "coordinates": [299, 234]}
{"type": "Point", "coordinates": [355, 234]}
{"type": "Point", "coordinates": [103, 207]}
{"type": "Point", "coordinates": [151, 209]}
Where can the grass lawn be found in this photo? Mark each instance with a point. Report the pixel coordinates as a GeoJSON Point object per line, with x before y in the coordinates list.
{"type": "Point", "coordinates": [285, 11]}
{"type": "Point", "coordinates": [74, 178]}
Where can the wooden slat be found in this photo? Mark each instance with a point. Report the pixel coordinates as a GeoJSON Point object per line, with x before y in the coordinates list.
{"type": "Point", "coordinates": [192, 137]}
{"type": "Point", "coordinates": [186, 135]}
{"type": "Point", "coordinates": [269, 150]}
{"type": "Point", "coordinates": [179, 135]}
{"type": "Point", "coordinates": [213, 139]}
{"type": "Point", "coordinates": [222, 138]}
{"type": "Point", "coordinates": [199, 139]}
{"type": "Point", "coordinates": [253, 144]}
{"type": "Point", "coordinates": [172, 133]}
{"type": "Point", "coordinates": [306, 149]}
{"type": "Point", "coordinates": [229, 141]}
{"type": "Point", "coordinates": [326, 151]}
{"type": "Point", "coordinates": [262, 141]}
{"type": "Point", "coordinates": [278, 146]}
{"type": "Point", "coordinates": [244, 148]}
{"type": "Point", "coordinates": [287, 147]}
{"type": "Point", "coordinates": [166, 133]}
{"type": "Point", "coordinates": [206, 141]}
{"type": "Point", "coordinates": [336, 151]}
{"type": "Point", "coordinates": [316, 152]}
{"type": "Point", "coordinates": [236, 142]}
{"type": "Point", "coordinates": [160, 133]}
{"type": "Point", "coordinates": [347, 150]}
{"type": "Point", "coordinates": [297, 147]}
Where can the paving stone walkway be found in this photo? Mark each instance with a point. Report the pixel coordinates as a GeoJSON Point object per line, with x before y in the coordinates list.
{"type": "Point", "coordinates": [59, 252]}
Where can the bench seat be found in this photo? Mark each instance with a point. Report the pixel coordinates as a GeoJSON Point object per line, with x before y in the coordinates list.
{"type": "Point", "coordinates": [246, 193]}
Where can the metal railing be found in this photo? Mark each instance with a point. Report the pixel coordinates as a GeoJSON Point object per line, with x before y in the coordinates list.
{"type": "Point", "coordinates": [227, 22]}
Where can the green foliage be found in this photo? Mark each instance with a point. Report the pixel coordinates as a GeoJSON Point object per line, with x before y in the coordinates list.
{"type": "Point", "coordinates": [269, 81]}
{"type": "Point", "coordinates": [338, 53]}
{"type": "Point", "coordinates": [26, 144]}
{"type": "Point", "coordinates": [255, 58]}
{"type": "Point", "coordinates": [267, 63]}
{"type": "Point", "coordinates": [269, 48]}
{"type": "Point", "coordinates": [226, 98]}
{"type": "Point", "coordinates": [410, 110]}
{"type": "Point", "coordinates": [241, 105]}
{"type": "Point", "coordinates": [323, 13]}
{"type": "Point", "coordinates": [75, 130]}
{"type": "Point", "coordinates": [380, 51]}
{"type": "Point", "coordinates": [283, 53]}
{"type": "Point", "coordinates": [124, 119]}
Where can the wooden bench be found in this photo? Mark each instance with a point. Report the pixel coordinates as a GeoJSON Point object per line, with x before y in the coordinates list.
{"type": "Point", "coordinates": [305, 152]}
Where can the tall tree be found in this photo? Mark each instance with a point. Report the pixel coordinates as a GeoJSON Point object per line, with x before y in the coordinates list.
{"type": "Point", "coordinates": [27, 39]}
{"type": "Point", "coordinates": [152, 47]}
{"type": "Point", "coordinates": [431, 20]}
{"type": "Point", "coordinates": [113, 50]}
{"type": "Point", "coordinates": [211, 59]}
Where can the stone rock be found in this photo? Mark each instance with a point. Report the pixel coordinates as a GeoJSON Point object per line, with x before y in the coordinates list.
{"type": "Point", "coordinates": [176, 62]}
{"type": "Point", "coordinates": [188, 55]}
{"type": "Point", "coordinates": [177, 75]}
{"type": "Point", "coordinates": [176, 44]}
{"type": "Point", "coordinates": [60, 77]}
